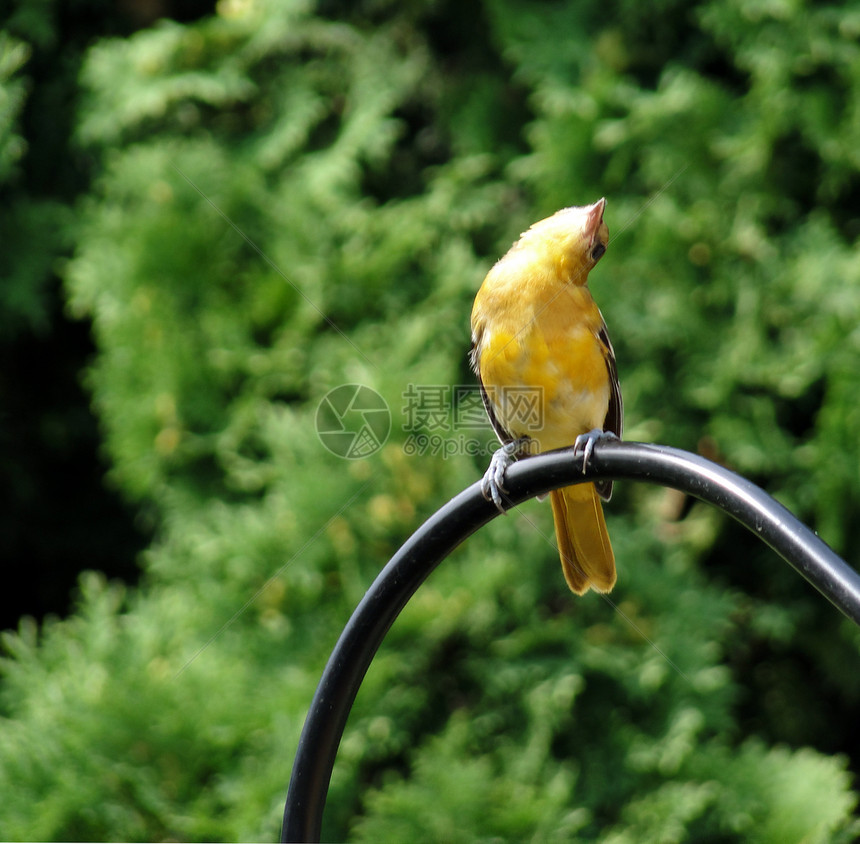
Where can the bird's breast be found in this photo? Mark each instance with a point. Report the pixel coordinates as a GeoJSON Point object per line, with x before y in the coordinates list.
{"type": "Point", "coordinates": [544, 369]}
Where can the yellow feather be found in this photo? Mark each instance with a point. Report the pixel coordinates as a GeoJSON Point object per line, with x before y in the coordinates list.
{"type": "Point", "coordinates": [583, 540]}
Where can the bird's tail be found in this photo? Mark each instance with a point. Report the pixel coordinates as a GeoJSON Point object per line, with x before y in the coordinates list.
{"type": "Point", "coordinates": [583, 541]}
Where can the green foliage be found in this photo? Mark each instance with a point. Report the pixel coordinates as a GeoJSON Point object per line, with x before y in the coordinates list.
{"type": "Point", "coordinates": [290, 199]}
{"type": "Point", "coordinates": [13, 54]}
{"type": "Point", "coordinates": [29, 243]}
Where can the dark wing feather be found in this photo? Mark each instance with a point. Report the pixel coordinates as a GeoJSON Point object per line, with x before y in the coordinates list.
{"type": "Point", "coordinates": [614, 420]}
{"type": "Point", "coordinates": [504, 436]}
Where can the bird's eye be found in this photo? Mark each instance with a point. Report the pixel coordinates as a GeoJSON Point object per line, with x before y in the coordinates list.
{"type": "Point", "coordinates": [598, 250]}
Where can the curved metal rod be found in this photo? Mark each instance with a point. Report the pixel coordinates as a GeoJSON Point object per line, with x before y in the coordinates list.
{"type": "Point", "coordinates": [463, 515]}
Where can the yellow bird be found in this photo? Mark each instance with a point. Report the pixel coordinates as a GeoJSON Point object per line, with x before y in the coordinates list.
{"type": "Point", "coordinates": [548, 377]}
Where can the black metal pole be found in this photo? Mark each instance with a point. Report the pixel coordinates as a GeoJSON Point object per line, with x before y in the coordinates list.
{"type": "Point", "coordinates": [463, 515]}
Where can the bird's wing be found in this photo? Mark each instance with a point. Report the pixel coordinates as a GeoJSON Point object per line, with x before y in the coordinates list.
{"type": "Point", "coordinates": [614, 420]}
{"type": "Point", "coordinates": [504, 436]}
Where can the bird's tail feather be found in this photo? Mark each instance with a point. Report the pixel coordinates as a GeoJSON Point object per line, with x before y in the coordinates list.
{"type": "Point", "coordinates": [583, 541]}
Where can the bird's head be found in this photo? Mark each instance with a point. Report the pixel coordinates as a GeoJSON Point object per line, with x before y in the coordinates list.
{"type": "Point", "coordinates": [574, 238]}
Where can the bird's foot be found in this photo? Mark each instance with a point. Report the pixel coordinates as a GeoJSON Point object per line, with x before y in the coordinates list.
{"type": "Point", "coordinates": [493, 482]}
{"type": "Point", "coordinates": [586, 443]}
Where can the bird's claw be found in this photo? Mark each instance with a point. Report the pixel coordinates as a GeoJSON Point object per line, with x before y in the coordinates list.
{"type": "Point", "coordinates": [586, 443]}
{"type": "Point", "coordinates": [493, 482]}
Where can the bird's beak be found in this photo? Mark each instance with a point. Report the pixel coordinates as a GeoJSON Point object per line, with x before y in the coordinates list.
{"type": "Point", "coordinates": [595, 217]}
